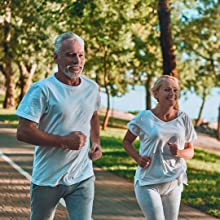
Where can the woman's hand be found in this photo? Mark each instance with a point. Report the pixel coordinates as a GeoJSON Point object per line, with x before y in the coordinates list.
{"type": "Point", "coordinates": [186, 153]}
{"type": "Point", "coordinates": [173, 149]}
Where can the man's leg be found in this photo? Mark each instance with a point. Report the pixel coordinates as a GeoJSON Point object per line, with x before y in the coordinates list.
{"type": "Point", "coordinates": [44, 200]}
{"type": "Point", "coordinates": [79, 201]}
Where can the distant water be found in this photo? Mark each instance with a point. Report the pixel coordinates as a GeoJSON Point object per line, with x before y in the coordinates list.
{"type": "Point", "coordinates": [134, 100]}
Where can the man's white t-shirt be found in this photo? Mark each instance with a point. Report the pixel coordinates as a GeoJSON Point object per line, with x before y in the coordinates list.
{"type": "Point", "coordinates": [59, 109]}
{"type": "Point", "coordinates": [154, 135]}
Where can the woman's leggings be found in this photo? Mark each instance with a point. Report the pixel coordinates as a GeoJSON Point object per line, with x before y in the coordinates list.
{"type": "Point", "coordinates": [159, 201]}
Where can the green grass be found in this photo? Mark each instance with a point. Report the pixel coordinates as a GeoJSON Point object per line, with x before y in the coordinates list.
{"type": "Point", "coordinates": [115, 122]}
{"type": "Point", "coordinates": [8, 116]}
{"type": "Point", "coordinates": [203, 191]}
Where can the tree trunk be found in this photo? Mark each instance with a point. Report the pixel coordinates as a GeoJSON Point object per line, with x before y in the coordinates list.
{"type": "Point", "coordinates": [199, 118]}
{"type": "Point", "coordinates": [6, 68]}
{"type": "Point", "coordinates": [26, 75]}
{"type": "Point", "coordinates": [148, 86]}
{"type": "Point", "coordinates": [9, 101]}
{"type": "Point", "coordinates": [107, 114]}
{"type": "Point", "coordinates": [218, 128]}
{"type": "Point", "coordinates": [166, 42]}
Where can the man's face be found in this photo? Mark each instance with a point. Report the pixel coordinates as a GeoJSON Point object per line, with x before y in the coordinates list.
{"type": "Point", "coordinates": [70, 58]}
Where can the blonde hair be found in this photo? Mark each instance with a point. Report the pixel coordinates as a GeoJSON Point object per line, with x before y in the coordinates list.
{"type": "Point", "coordinates": [159, 82]}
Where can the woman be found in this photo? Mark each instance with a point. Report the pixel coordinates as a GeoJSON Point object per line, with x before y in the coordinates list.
{"type": "Point", "coordinates": [166, 135]}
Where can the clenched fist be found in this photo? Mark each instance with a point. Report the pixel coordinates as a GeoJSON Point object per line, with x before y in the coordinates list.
{"type": "Point", "coordinates": [95, 152]}
{"type": "Point", "coordinates": [73, 141]}
{"type": "Point", "coordinates": [144, 161]}
{"type": "Point", "coordinates": [173, 149]}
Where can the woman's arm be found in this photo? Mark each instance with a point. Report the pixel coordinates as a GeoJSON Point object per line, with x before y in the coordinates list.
{"type": "Point", "coordinates": [186, 153]}
{"type": "Point", "coordinates": [128, 146]}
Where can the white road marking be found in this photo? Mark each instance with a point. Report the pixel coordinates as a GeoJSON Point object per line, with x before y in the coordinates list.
{"type": "Point", "coordinates": [15, 166]}
{"type": "Point", "coordinates": [21, 171]}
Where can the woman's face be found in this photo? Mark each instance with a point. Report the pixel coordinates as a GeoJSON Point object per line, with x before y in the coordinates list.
{"type": "Point", "coordinates": [168, 92]}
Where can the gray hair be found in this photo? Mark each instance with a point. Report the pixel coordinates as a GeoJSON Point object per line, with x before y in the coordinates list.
{"type": "Point", "coordinates": [65, 36]}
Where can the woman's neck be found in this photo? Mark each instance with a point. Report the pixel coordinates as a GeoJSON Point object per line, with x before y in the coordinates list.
{"type": "Point", "coordinates": [165, 114]}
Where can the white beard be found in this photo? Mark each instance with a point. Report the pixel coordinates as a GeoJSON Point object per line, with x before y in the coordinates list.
{"type": "Point", "coordinates": [70, 74]}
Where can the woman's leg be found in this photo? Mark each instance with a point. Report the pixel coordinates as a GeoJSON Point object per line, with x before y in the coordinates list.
{"type": "Point", "coordinates": [171, 200]}
{"type": "Point", "coordinates": [150, 202]}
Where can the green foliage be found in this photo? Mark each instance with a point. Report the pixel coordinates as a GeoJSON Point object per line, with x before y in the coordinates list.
{"type": "Point", "coordinates": [196, 34]}
{"type": "Point", "coordinates": [198, 42]}
{"type": "Point", "coordinates": [27, 45]}
{"type": "Point", "coordinates": [122, 40]}
{"type": "Point", "coordinates": [104, 26]}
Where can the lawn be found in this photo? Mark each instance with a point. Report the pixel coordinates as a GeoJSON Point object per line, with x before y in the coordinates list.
{"type": "Point", "coordinates": [9, 117]}
{"type": "Point", "coordinates": [203, 191]}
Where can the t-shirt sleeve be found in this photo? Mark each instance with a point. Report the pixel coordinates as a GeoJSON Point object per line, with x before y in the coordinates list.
{"type": "Point", "coordinates": [33, 104]}
{"type": "Point", "coordinates": [133, 125]}
{"type": "Point", "coordinates": [190, 131]}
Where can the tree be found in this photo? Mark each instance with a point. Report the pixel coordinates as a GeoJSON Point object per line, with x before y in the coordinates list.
{"type": "Point", "coordinates": [166, 42]}
{"type": "Point", "coordinates": [146, 63]}
{"type": "Point", "coordinates": [25, 44]}
{"type": "Point", "coordinates": [104, 26]}
{"type": "Point", "coordinates": [199, 43]}
{"type": "Point", "coordinates": [6, 65]}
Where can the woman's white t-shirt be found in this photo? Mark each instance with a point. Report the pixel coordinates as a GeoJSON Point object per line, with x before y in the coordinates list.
{"type": "Point", "coordinates": [59, 109]}
{"type": "Point", "coordinates": [154, 135]}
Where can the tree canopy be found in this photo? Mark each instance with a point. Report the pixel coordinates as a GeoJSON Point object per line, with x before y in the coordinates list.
{"type": "Point", "coordinates": [122, 42]}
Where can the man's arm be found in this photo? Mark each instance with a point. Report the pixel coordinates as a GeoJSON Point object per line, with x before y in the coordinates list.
{"type": "Point", "coordinates": [28, 132]}
{"type": "Point", "coordinates": [96, 151]}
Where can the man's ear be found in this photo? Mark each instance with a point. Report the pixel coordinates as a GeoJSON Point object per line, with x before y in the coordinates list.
{"type": "Point", "coordinates": [55, 57]}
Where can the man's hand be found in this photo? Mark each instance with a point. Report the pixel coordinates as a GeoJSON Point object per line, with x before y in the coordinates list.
{"type": "Point", "coordinates": [73, 141]}
{"type": "Point", "coordinates": [144, 161]}
{"type": "Point", "coordinates": [95, 152]}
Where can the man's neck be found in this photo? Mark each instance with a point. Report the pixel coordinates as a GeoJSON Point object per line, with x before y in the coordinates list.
{"type": "Point", "coordinates": [64, 79]}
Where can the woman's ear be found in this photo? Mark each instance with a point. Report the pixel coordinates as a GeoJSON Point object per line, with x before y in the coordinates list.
{"type": "Point", "coordinates": [156, 95]}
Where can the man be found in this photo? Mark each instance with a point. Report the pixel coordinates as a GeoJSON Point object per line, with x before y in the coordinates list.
{"type": "Point", "coordinates": [59, 116]}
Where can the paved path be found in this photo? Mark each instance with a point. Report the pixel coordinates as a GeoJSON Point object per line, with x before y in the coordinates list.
{"type": "Point", "coordinates": [208, 143]}
{"type": "Point", "coordinates": [114, 198]}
